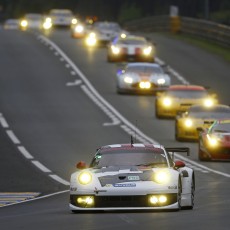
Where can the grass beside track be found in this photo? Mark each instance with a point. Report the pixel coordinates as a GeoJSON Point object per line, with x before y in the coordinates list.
{"type": "Point", "coordinates": [211, 47]}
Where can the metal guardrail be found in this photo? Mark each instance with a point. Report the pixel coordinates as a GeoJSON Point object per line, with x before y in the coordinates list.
{"type": "Point", "coordinates": [211, 31]}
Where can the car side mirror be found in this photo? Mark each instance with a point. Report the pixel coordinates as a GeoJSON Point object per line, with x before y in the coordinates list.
{"type": "Point", "coordinates": [179, 164]}
{"type": "Point", "coordinates": [81, 165]}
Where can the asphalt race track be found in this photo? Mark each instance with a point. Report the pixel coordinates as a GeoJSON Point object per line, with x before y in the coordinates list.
{"type": "Point", "coordinates": [58, 103]}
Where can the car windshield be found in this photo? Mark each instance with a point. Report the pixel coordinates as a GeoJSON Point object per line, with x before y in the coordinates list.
{"type": "Point", "coordinates": [145, 69]}
{"type": "Point", "coordinates": [34, 16]}
{"type": "Point", "coordinates": [221, 128]}
{"type": "Point", "coordinates": [107, 26]}
{"type": "Point", "coordinates": [132, 41]}
{"type": "Point", "coordinates": [211, 112]}
{"type": "Point", "coordinates": [195, 94]}
{"type": "Point", "coordinates": [130, 157]}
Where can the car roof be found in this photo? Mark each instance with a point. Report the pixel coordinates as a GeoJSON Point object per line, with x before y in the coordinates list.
{"type": "Point", "coordinates": [133, 37]}
{"type": "Point", "coordinates": [129, 146]}
{"type": "Point", "coordinates": [187, 87]}
{"type": "Point", "coordinates": [141, 64]}
{"type": "Point", "coordinates": [221, 107]}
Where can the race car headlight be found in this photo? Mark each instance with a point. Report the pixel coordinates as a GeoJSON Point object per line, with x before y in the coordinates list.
{"type": "Point", "coordinates": [47, 25]}
{"type": "Point", "coordinates": [147, 51]}
{"type": "Point", "coordinates": [128, 80]}
{"type": "Point", "coordinates": [145, 85]}
{"type": "Point", "coordinates": [115, 49]}
{"type": "Point", "coordinates": [157, 199]}
{"type": "Point", "coordinates": [91, 41]}
{"type": "Point", "coordinates": [167, 102]}
{"type": "Point", "coordinates": [212, 140]}
{"type": "Point", "coordinates": [161, 177]}
{"type": "Point", "coordinates": [24, 23]}
{"type": "Point", "coordinates": [208, 102]}
{"type": "Point", "coordinates": [188, 123]}
{"type": "Point", "coordinates": [92, 35]}
{"type": "Point", "coordinates": [123, 35]}
{"type": "Point", "coordinates": [85, 178]}
{"type": "Point", "coordinates": [48, 20]}
{"type": "Point", "coordinates": [74, 21]}
{"type": "Point", "coordinates": [161, 81]}
{"type": "Point", "coordinates": [79, 29]}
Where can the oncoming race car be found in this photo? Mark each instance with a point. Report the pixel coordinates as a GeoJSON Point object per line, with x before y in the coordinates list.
{"type": "Point", "coordinates": [198, 116]}
{"type": "Point", "coordinates": [214, 143]}
{"type": "Point", "coordinates": [132, 177]}
{"type": "Point", "coordinates": [130, 48]}
{"type": "Point", "coordinates": [178, 98]}
{"type": "Point", "coordinates": [142, 77]}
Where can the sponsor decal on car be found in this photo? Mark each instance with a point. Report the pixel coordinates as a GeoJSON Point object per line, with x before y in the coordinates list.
{"type": "Point", "coordinates": [133, 178]}
{"type": "Point", "coordinates": [125, 185]}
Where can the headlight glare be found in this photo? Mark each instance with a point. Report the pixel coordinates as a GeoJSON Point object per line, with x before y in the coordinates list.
{"type": "Point", "coordinates": [188, 123]}
{"type": "Point", "coordinates": [208, 102]}
{"type": "Point", "coordinates": [167, 101]}
{"type": "Point", "coordinates": [161, 177]}
{"type": "Point", "coordinates": [147, 51]}
{"type": "Point", "coordinates": [115, 49]}
{"type": "Point", "coordinates": [85, 178]}
{"type": "Point", "coordinates": [161, 81]}
{"type": "Point", "coordinates": [128, 80]}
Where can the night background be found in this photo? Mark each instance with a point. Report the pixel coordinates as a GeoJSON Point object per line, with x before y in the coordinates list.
{"type": "Point", "coordinates": [120, 10]}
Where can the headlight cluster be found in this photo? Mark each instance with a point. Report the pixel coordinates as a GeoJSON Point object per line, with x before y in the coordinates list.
{"type": "Point", "coordinates": [161, 177]}
{"type": "Point", "coordinates": [85, 178]}
{"type": "Point", "coordinates": [115, 49]}
{"type": "Point", "coordinates": [167, 101]}
{"type": "Point", "coordinates": [24, 24]}
{"type": "Point", "coordinates": [145, 85]}
{"type": "Point", "coordinates": [128, 80]}
{"type": "Point", "coordinates": [188, 123]}
{"type": "Point", "coordinates": [147, 51]}
{"type": "Point", "coordinates": [157, 199]}
{"type": "Point", "coordinates": [79, 29]}
{"type": "Point", "coordinates": [208, 102]}
{"type": "Point", "coordinates": [213, 140]}
{"type": "Point", "coordinates": [47, 24]}
{"type": "Point", "coordinates": [161, 81]}
{"type": "Point", "coordinates": [74, 21]}
{"type": "Point", "coordinates": [91, 39]}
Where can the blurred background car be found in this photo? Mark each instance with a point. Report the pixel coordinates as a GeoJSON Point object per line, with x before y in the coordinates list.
{"type": "Point", "coordinates": [103, 32]}
{"type": "Point", "coordinates": [178, 98]}
{"type": "Point", "coordinates": [31, 21]}
{"type": "Point", "coordinates": [198, 116]}
{"type": "Point", "coordinates": [62, 18]}
{"type": "Point", "coordinates": [141, 77]}
{"type": "Point", "coordinates": [214, 143]}
{"type": "Point", "coordinates": [11, 24]}
{"type": "Point", "coordinates": [130, 48]}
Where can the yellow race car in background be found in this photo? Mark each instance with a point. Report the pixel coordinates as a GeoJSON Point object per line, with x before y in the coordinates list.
{"type": "Point", "coordinates": [198, 116]}
{"type": "Point", "coordinates": [178, 98]}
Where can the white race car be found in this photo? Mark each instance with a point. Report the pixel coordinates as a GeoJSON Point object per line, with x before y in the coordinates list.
{"type": "Point", "coordinates": [132, 177]}
{"type": "Point", "coordinates": [141, 77]}
{"type": "Point", "coordinates": [131, 48]}
{"type": "Point", "coordinates": [103, 32]}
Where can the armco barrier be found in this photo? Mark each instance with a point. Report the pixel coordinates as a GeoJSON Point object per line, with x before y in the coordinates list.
{"type": "Point", "coordinates": [211, 31]}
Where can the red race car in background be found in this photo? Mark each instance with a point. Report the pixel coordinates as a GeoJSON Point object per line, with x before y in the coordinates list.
{"type": "Point", "coordinates": [214, 143]}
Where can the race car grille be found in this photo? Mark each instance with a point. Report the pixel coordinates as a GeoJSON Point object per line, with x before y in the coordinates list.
{"type": "Point", "coordinates": [124, 201]}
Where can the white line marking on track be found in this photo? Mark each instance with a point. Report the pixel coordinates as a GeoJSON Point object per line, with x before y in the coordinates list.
{"type": "Point", "coordinates": [3, 122]}
{"type": "Point", "coordinates": [59, 179]}
{"type": "Point", "coordinates": [98, 97]}
{"type": "Point", "coordinates": [25, 153]}
{"type": "Point", "coordinates": [75, 83]}
{"type": "Point", "coordinates": [12, 137]}
{"type": "Point", "coordinates": [41, 166]}
{"type": "Point", "coordinates": [39, 198]}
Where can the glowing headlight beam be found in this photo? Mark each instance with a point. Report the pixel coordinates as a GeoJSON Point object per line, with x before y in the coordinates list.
{"type": "Point", "coordinates": [161, 177]}
{"type": "Point", "coordinates": [85, 178]}
{"type": "Point", "coordinates": [128, 80]}
{"type": "Point", "coordinates": [147, 51]}
{"type": "Point", "coordinates": [188, 123]}
{"type": "Point", "coordinates": [208, 102]}
{"type": "Point", "coordinates": [167, 102]}
{"type": "Point", "coordinates": [115, 49]}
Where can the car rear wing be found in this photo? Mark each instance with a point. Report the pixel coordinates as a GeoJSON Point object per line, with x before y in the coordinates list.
{"type": "Point", "coordinates": [178, 150]}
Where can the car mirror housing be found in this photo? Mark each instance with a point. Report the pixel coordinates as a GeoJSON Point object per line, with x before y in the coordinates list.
{"type": "Point", "coordinates": [179, 164]}
{"type": "Point", "coordinates": [81, 165]}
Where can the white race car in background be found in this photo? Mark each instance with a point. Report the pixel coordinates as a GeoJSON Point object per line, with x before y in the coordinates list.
{"type": "Point", "coordinates": [131, 177]}
{"type": "Point", "coordinates": [103, 32]}
{"type": "Point", "coordinates": [131, 48]}
{"type": "Point", "coordinates": [142, 77]}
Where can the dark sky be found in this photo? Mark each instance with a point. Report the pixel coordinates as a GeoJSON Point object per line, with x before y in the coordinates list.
{"type": "Point", "coordinates": [111, 9]}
